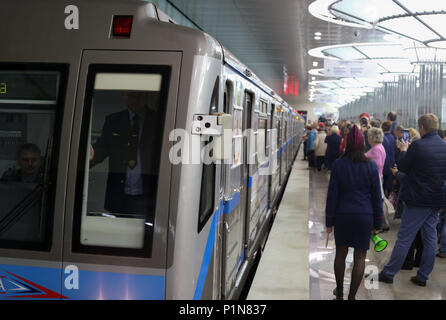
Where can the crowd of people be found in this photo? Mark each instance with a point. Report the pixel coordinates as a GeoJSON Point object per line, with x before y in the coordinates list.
{"type": "Point", "coordinates": [379, 171]}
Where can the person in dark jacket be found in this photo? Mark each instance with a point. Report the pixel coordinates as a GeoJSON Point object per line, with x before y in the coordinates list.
{"type": "Point", "coordinates": [333, 142]}
{"type": "Point", "coordinates": [353, 208]}
{"type": "Point", "coordinates": [127, 140]}
{"type": "Point", "coordinates": [391, 116]}
{"type": "Point", "coordinates": [423, 192]}
{"type": "Point", "coordinates": [389, 146]}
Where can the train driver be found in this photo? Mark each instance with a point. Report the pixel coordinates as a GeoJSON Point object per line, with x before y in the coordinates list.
{"type": "Point", "coordinates": [126, 140]}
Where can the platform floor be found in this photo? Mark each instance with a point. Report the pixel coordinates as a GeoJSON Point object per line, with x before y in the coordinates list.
{"type": "Point", "coordinates": [296, 265]}
{"type": "Point", "coordinates": [283, 270]}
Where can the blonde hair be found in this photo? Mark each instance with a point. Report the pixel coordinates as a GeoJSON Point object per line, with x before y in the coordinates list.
{"type": "Point", "coordinates": [375, 135]}
{"type": "Point", "coordinates": [413, 134]}
{"type": "Point", "coordinates": [334, 130]}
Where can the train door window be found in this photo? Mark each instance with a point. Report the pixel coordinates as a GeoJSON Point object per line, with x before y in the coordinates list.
{"type": "Point", "coordinates": [227, 98]}
{"type": "Point", "coordinates": [207, 194]}
{"type": "Point", "coordinates": [31, 103]}
{"type": "Point", "coordinates": [271, 135]}
{"type": "Point", "coordinates": [261, 141]}
{"type": "Point", "coordinates": [119, 159]}
{"type": "Point", "coordinates": [277, 126]}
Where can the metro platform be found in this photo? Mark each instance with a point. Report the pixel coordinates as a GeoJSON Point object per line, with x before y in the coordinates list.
{"type": "Point", "coordinates": [296, 265]}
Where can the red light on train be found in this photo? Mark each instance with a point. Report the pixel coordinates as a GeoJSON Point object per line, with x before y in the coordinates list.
{"type": "Point", "coordinates": [122, 26]}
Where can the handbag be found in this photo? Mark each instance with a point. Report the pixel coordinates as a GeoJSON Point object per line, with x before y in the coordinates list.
{"type": "Point", "coordinates": [388, 209]}
{"type": "Point", "coordinates": [393, 198]}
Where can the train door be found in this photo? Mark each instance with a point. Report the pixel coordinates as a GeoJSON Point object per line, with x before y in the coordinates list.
{"type": "Point", "coordinates": [32, 183]}
{"type": "Point", "coordinates": [249, 168]}
{"type": "Point", "coordinates": [236, 197]}
{"type": "Point", "coordinates": [271, 155]}
{"type": "Point", "coordinates": [117, 203]}
{"type": "Point", "coordinates": [285, 147]}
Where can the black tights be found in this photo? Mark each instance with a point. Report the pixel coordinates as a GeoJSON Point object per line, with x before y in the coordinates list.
{"type": "Point", "coordinates": [357, 271]}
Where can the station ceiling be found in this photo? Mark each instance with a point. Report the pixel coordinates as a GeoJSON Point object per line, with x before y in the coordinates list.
{"type": "Point", "coordinates": [273, 37]}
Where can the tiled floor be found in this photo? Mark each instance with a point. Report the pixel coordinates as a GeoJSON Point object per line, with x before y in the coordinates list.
{"type": "Point", "coordinates": [322, 279]}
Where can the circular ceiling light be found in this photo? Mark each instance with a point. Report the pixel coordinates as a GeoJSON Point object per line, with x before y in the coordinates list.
{"type": "Point", "coordinates": [319, 9]}
{"type": "Point", "coordinates": [422, 21]}
{"type": "Point", "coordinates": [438, 44]}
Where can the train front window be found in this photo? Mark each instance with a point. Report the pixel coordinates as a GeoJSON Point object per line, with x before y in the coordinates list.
{"type": "Point", "coordinates": [31, 99]}
{"type": "Point", "coordinates": [119, 160]}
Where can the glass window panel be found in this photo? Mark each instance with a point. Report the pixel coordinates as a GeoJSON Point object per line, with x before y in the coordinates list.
{"type": "Point", "coordinates": [345, 53]}
{"type": "Point", "coordinates": [381, 69]}
{"type": "Point", "coordinates": [349, 83]}
{"type": "Point", "coordinates": [261, 141]}
{"type": "Point", "coordinates": [370, 10]}
{"type": "Point", "coordinates": [410, 27]}
{"type": "Point", "coordinates": [328, 84]}
{"type": "Point", "coordinates": [323, 90]}
{"type": "Point", "coordinates": [207, 194]}
{"type": "Point", "coordinates": [368, 82]}
{"type": "Point", "coordinates": [436, 22]}
{"type": "Point", "coordinates": [30, 103]}
{"type": "Point", "coordinates": [396, 65]}
{"type": "Point", "coordinates": [118, 173]}
{"type": "Point", "coordinates": [438, 44]}
{"type": "Point", "coordinates": [382, 51]}
{"type": "Point", "coordinates": [424, 5]}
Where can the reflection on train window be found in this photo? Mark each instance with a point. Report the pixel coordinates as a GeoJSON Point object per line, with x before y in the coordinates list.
{"type": "Point", "coordinates": [119, 167]}
{"type": "Point", "coordinates": [30, 100]}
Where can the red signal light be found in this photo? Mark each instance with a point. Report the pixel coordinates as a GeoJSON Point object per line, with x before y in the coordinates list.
{"type": "Point", "coordinates": [122, 26]}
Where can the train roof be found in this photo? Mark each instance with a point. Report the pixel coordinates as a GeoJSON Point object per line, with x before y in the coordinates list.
{"type": "Point", "coordinates": [37, 29]}
{"type": "Point", "coordinates": [37, 33]}
{"type": "Point", "coordinates": [242, 69]}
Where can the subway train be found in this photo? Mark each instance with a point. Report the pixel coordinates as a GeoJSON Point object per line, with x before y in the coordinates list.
{"type": "Point", "coordinates": [78, 219]}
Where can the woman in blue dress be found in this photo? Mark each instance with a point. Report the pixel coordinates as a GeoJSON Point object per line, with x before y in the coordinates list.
{"type": "Point", "coordinates": [353, 208]}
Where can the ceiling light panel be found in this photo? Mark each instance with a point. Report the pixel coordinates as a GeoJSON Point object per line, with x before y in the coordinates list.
{"type": "Point", "coordinates": [384, 51]}
{"type": "Point", "coordinates": [345, 53]}
{"type": "Point", "coordinates": [409, 27]}
{"type": "Point", "coordinates": [370, 10]}
{"type": "Point", "coordinates": [381, 69]}
{"type": "Point", "coordinates": [423, 5]}
{"type": "Point", "coordinates": [436, 22]}
{"type": "Point", "coordinates": [396, 65]}
{"type": "Point", "coordinates": [350, 83]}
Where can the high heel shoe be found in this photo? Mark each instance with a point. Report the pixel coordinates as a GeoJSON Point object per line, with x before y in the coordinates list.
{"type": "Point", "coordinates": [339, 296]}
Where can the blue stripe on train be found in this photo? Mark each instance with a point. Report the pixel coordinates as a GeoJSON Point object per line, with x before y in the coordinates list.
{"type": "Point", "coordinates": [208, 253]}
{"type": "Point", "coordinates": [225, 208]}
{"type": "Point", "coordinates": [31, 282]}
